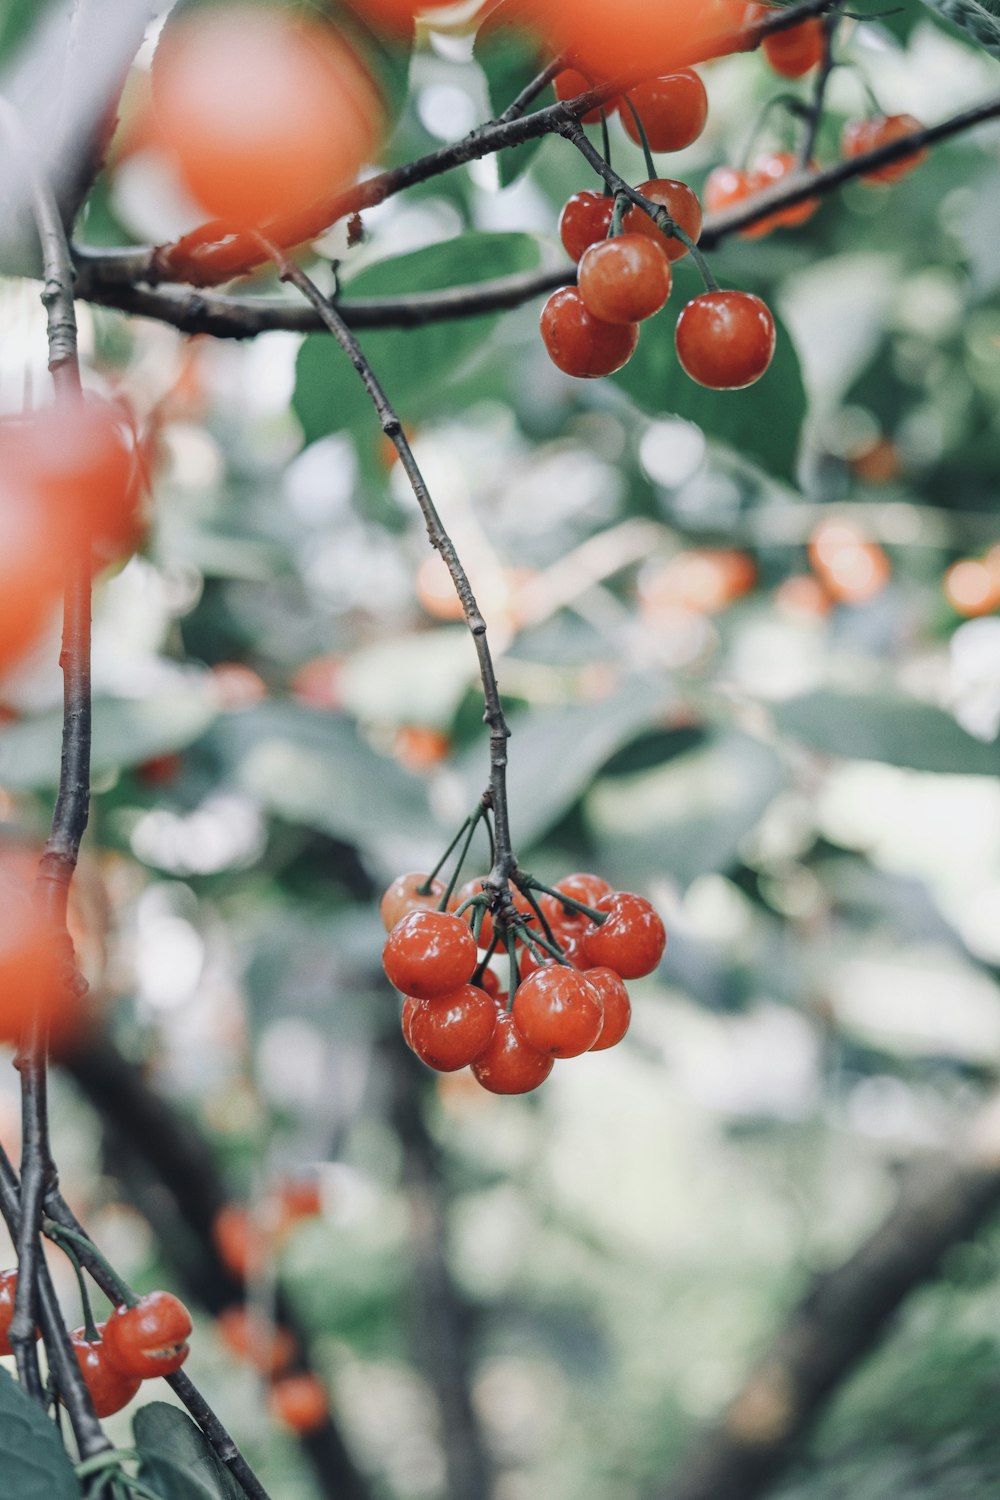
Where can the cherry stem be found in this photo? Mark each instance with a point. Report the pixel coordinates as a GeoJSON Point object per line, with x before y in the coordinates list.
{"type": "Point", "coordinates": [617, 217]}
{"type": "Point", "coordinates": [815, 115]}
{"type": "Point", "coordinates": [534, 942]}
{"type": "Point", "coordinates": [67, 1239]}
{"type": "Point", "coordinates": [89, 1326]}
{"type": "Point", "coordinates": [513, 974]}
{"type": "Point", "coordinates": [484, 962]}
{"type": "Point", "coordinates": [424, 889]}
{"type": "Point", "coordinates": [496, 796]}
{"type": "Point", "coordinates": [597, 917]}
{"type": "Point", "coordinates": [643, 138]}
{"type": "Point", "coordinates": [463, 852]}
{"type": "Point", "coordinates": [526, 892]}
{"type": "Point", "coordinates": [605, 139]}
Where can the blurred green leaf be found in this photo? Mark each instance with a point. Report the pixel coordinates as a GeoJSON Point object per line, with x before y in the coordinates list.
{"type": "Point", "coordinates": [978, 19]}
{"type": "Point", "coordinates": [33, 1461]}
{"type": "Point", "coordinates": [176, 1457]}
{"type": "Point", "coordinates": [883, 727]}
{"type": "Point", "coordinates": [126, 732]}
{"type": "Point", "coordinates": [511, 55]}
{"type": "Point", "coordinates": [412, 364]}
{"type": "Point", "coordinates": [763, 423]}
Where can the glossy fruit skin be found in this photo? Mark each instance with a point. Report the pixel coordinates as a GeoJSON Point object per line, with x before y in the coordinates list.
{"type": "Point", "coordinates": [429, 953]}
{"type": "Point", "coordinates": [581, 886]}
{"type": "Point", "coordinates": [509, 1065]}
{"type": "Point", "coordinates": [725, 340]}
{"type": "Point", "coordinates": [725, 187]}
{"type": "Point", "coordinates": [570, 83]}
{"type": "Point", "coordinates": [558, 1012]}
{"type": "Point", "coordinates": [797, 49]}
{"type": "Point", "coordinates": [262, 115]}
{"type": "Point", "coordinates": [149, 1339]}
{"type": "Point", "coordinates": [681, 203]}
{"type": "Point", "coordinates": [673, 110]}
{"type": "Point", "coordinates": [631, 940]}
{"type": "Point", "coordinates": [474, 887]}
{"type": "Point", "coordinates": [569, 943]}
{"type": "Point", "coordinates": [617, 1006]}
{"type": "Point", "coordinates": [451, 1031]}
{"type": "Point", "coordinates": [299, 1402]}
{"type": "Point", "coordinates": [8, 1291]}
{"type": "Point", "coordinates": [110, 1388]}
{"type": "Point", "coordinates": [862, 136]}
{"type": "Point", "coordinates": [580, 344]}
{"type": "Point", "coordinates": [767, 172]}
{"type": "Point", "coordinates": [584, 221]}
{"type": "Point", "coordinates": [267, 1347]}
{"type": "Point", "coordinates": [624, 280]}
{"type": "Point", "coordinates": [402, 897]}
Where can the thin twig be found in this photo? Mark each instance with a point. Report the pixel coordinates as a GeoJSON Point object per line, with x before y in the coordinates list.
{"type": "Point", "coordinates": [531, 91]}
{"type": "Point", "coordinates": [814, 116]}
{"type": "Point", "coordinates": [439, 539]}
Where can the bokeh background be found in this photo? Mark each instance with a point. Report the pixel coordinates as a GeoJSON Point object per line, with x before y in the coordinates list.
{"type": "Point", "coordinates": [742, 679]}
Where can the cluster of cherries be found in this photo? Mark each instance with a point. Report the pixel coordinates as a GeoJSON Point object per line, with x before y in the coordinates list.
{"type": "Point", "coordinates": [569, 951]}
{"type": "Point", "coordinates": [138, 1342]}
{"type": "Point", "coordinates": [725, 339]}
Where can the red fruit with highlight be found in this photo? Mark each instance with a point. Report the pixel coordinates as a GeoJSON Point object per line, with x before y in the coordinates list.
{"type": "Point", "coordinates": [861, 136]}
{"type": "Point", "coordinates": [617, 1006]}
{"type": "Point", "coordinates": [681, 204]}
{"type": "Point", "coordinates": [673, 110]}
{"type": "Point", "coordinates": [451, 1031]}
{"type": "Point", "coordinates": [630, 940]}
{"type": "Point", "coordinates": [580, 344]}
{"type": "Point", "coordinates": [558, 1012]}
{"type": "Point", "coordinates": [725, 340]}
{"type": "Point", "coordinates": [509, 1065]}
{"type": "Point", "coordinates": [149, 1339]}
{"type": "Point", "coordinates": [474, 887]}
{"type": "Point", "coordinates": [795, 50]}
{"type": "Point", "coordinates": [429, 953]}
{"type": "Point", "coordinates": [585, 221]}
{"type": "Point", "coordinates": [299, 1402]}
{"type": "Point", "coordinates": [404, 895]}
{"type": "Point", "coordinates": [110, 1388]}
{"type": "Point", "coordinates": [624, 280]}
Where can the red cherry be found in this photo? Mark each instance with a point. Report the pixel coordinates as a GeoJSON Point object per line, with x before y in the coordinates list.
{"type": "Point", "coordinates": [795, 50]}
{"type": "Point", "coordinates": [681, 204]}
{"type": "Point", "coordinates": [429, 953]}
{"type": "Point", "coordinates": [582, 887]}
{"type": "Point", "coordinates": [150, 1338]}
{"type": "Point", "coordinates": [767, 172]}
{"type": "Point", "coordinates": [725, 187]}
{"type": "Point", "coordinates": [403, 896]}
{"type": "Point", "coordinates": [451, 1031]}
{"type": "Point", "coordinates": [558, 1012]}
{"type": "Point", "coordinates": [725, 340]}
{"type": "Point", "coordinates": [110, 1388]}
{"type": "Point", "coordinates": [585, 221]}
{"type": "Point", "coordinates": [673, 110]}
{"type": "Point", "coordinates": [861, 136]}
{"type": "Point", "coordinates": [474, 887]}
{"type": "Point", "coordinates": [8, 1291]}
{"type": "Point", "coordinates": [490, 983]}
{"type": "Point", "coordinates": [580, 344]}
{"type": "Point", "coordinates": [299, 1402]}
{"type": "Point", "coordinates": [617, 1006]}
{"type": "Point", "coordinates": [569, 942]}
{"type": "Point", "coordinates": [265, 1345]}
{"type": "Point", "coordinates": [625, 279]}
{"type": "Point", "coordinates": [509, 1065]}
{"type": "Point", "coordinates": [630, 940]}
{"type": "Point", "coordinates": [569, 84]}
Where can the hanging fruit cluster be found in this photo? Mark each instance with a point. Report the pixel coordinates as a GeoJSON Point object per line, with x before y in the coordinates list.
{"type": "Point", "coordinates": [568, 950]}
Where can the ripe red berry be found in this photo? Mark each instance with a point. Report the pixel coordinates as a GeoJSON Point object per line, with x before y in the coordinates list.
{"type": "Point", "coordinates": [299, 1402]}
{"type": "Point", "coordinates": [490, 983]}
{"type": "Point", "coordinates": [558, 1012]}
{"type": "Point", "coordinates": [269, 1348]}
{"type": "Point", "coordinates": [580, 344]}
{"type": "Point", "coordinates": [725, 187]}
{"type": "Point", "coordinates": [404, 896]}
{"type": "Point", "coordinates": [429, 953]}
{"type": "Point", "coordinates": [861, 136]}
{"type": "Point", "coordinates": [630, 940]}
{"type": "Point", "coordinates": [569, 84]}
{"type": "Point", "coordinates": [585, 221]}
{"type": "Point", "coordinates": [110, 1388]}
{"type": "Point", "coordinates": [8, 1291]}
{"type": "Point", "coordinates": [617, 1006]}
{"type": "Point", "coordinates": [241, 1245]}
{"type": "Point", "coordinates": [582, 887]}
{"type": "Point", "coordinates": [474, 887]}
{"type": "Point", "coordinates": [794, 51]}
{"type": "Point", "coordinates": [625, 279]}
{"type": "Point", "coordinates": [570, 944]}
{"type": "Point", "coordinates": [673, 110]}
{"type": "Point", "coordinates": [768, 171]}
{"type": "Point", "coordinates": [150, 1338]}
{"type": "Point", "coordinates": [509, 1065]}
{"type": "Point", "coordinates": [725, 340]}
{"type": "Point", "coordinates": [451, 1031]}
{"type": "Point", "coordinates": [681, 204]}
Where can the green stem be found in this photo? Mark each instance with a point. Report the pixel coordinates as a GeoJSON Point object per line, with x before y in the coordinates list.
{"type": "Point", "coordinates": [484, 962]}
{"type": "Point", "coordinates": [425, 888]}
{"type": "Point", "coordinates": [597, 917]}
{"type": "Point", "coordinates": [535, 942]}
{"type": "Point", "coordinates": [89, 1325]}
{"type": "Point", "coordinates": [618, 217]}
{"type": "Point", "coordinates": [605, 140]}
{"type": "Point", "coordinates": [472, 822]}
{"type": "Point", "coordinates": [57, 1233]}
{"type": "Point", "coordinates": [650, 163]}
{"type": "Point", "coordinates": [513, 977]}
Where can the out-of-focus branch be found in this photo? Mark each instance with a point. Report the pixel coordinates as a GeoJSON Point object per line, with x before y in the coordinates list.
{"type": "Point", "coordinates": [441, 1318]}
{"type": "Point", "coordinates": [840, 1320]}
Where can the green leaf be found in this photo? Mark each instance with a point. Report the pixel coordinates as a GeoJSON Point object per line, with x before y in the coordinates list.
{"type": "Point", "coordinates": [762, 423]}
{"type": "Point", "coordinates": [511, 55]}
{"type": "Point", "coordinates": [33, 1462]}
{"type": "Point", "coordinates": [127, 731]}
{"type": "Point", "coordinates": [176, 1457]}
{"type": "Point", "coordinates": [687, 817]}
{"type": "Point", "coordinates": [413, 363]}
{"type": "Point", "coordinates": [555, 753]}
{"type": "Point", "coordinates": [978, 19]}
{"type": "Point", "coordinates": [899, 731]}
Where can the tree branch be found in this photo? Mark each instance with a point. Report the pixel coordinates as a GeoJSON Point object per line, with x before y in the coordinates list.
{"type": "Point", "coordinates": [839, 1321]}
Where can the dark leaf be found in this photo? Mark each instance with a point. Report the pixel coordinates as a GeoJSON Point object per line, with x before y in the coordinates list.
{"type": "Point", "coordinates": [33, 1462]}
{"type": "Point", "coordinates": [176, 1458]}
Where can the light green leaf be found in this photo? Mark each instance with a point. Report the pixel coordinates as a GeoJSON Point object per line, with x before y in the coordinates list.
{"type": "Point", "coordinates": [511, 55]}
{"type": "Point", "coordinates": [883, 727]}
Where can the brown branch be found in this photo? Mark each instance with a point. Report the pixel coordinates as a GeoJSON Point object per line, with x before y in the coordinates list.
{"type": "Point", "coordinates": [839, 1322]}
